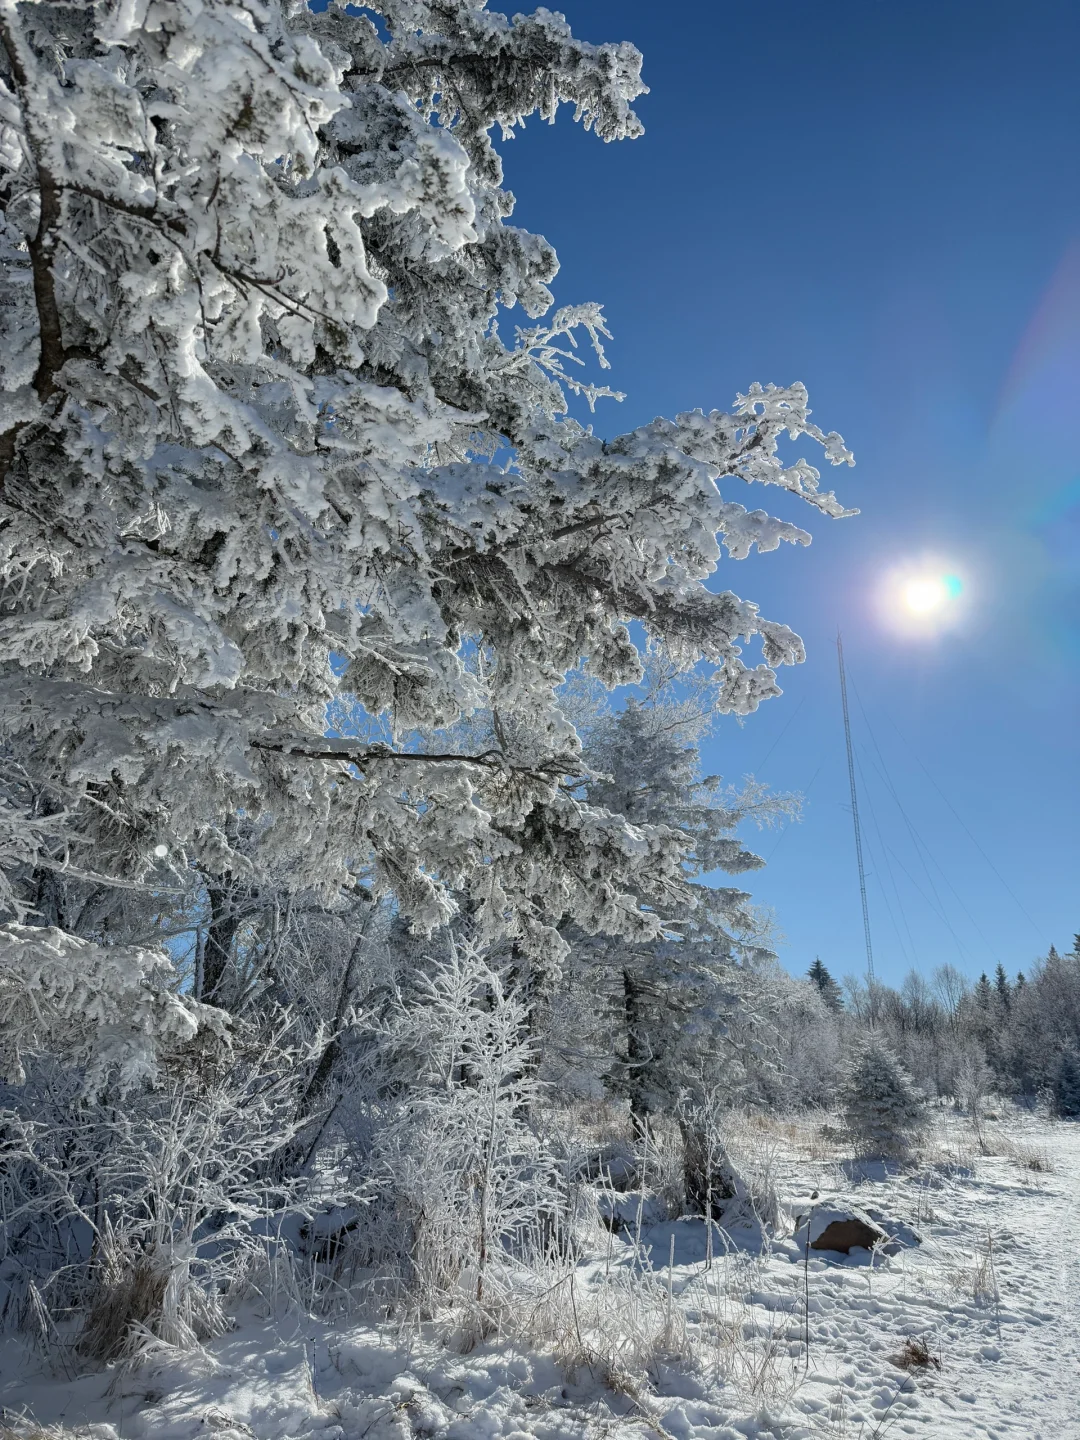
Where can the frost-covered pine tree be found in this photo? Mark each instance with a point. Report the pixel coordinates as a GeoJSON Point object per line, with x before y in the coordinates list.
{"type": "Point", "coordinates": [663, 1008]}
{"type": "Point", "coordinates": [107, 1012]}
{"type": "Point", "coordinates": [884, 1112]}
{"type": "Point", "coordinates": [264, 451]}
{"type": "Point", "coordinates": [1002, 987]}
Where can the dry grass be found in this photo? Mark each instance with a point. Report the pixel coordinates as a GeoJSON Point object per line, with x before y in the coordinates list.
{"type": "Point", "coordinates": [959, 1145]}
{"type": "Point", "coordinates": [758, 1362]}
{"type": "Point", "coordinates": [593, 1123]}
{"type": "Point", "coordinates": [977, 1279]}
{"type": "Point", "coordinates": [991, 1140]}
{"type": "Point", "coordinates": [810, 1135]}
{"type": "Point", "coordinates": [617, 1325]}
{"type": "Point", "coordinates": [915, 1354]}
{"type": "Point", "coordinates": [29, 1430]}
{"type": "Point", "coordinates": [133, 1298]}
{"type": "Point", "coordinates": [1028, 1157]}
{"type": "Point", "coordinates": [953, 1148]}
{"type": "Point", "coordinates": [751, 1347]}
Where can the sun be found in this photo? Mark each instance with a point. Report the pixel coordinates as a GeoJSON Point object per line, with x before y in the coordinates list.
{"type": "Point", "coordinates": [924, 595]}
{"type": "Point", "coordinates": [922, 599]}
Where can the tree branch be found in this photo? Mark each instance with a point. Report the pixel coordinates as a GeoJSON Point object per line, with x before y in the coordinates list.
{"type": "Point", "coordinates": [359, 752]}
{"type": "Point", "coordinates": [42, 250]}
{"type": "Point", "coordinates": [137, 212]}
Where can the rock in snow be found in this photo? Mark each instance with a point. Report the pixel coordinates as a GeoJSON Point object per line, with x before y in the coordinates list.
{"type": "Point", "coordinates": [838, 1227]}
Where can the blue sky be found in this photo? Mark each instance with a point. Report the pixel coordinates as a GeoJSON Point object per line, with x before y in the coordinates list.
{"type": "Point", "coordinates": [883, 202]}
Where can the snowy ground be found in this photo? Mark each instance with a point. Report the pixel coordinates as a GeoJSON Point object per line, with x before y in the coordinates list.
{"type": "Point", "coordinates": [993, 1289]}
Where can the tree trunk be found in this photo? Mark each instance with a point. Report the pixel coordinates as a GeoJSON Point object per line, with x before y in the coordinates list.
{"type": "Point", "coordinates": [220, 935]}
{"type": "Point", "coordinates": [532, 983]}
{"type": "Point", "coordinates": [323, 1073]}
{"type": "Point", "coordinates": [45, 899]}
{"type": "Point", "coordinates": [638, 1052]}
{"type": "Point", "coordinates": [709, 1178]}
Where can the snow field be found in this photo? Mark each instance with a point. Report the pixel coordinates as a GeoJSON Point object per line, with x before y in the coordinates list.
{"type": "Point", "coordinates": [650, 1338]}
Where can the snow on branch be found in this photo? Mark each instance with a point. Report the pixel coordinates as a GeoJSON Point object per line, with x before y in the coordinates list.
{"type": "Point", "coordinates": [106, 1008]}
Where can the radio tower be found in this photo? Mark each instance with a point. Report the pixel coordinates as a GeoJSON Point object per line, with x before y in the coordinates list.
{"type": "Point", "coordinates": [855, 815]}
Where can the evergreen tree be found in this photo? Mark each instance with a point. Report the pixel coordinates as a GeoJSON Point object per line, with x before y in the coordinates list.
{"type": "Point", "coordinates": [884, 1113]}
{"type": "Point", "coordinates": [1067, 1083]}
{"type": "Point", "coordinates": [1001, 984]}
{"type": "Point", "coordinates": [281, 511]}
{"type": "Point", "coordinates": [982, 1022]}
{"type": "Point", "coordinates": [666, 1003]}
{"type": "Point", "coordinates": [830, 991]}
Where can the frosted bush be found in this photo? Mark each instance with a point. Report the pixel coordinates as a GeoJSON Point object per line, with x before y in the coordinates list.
{"type": "Point", "coordinates": [456, 1185]}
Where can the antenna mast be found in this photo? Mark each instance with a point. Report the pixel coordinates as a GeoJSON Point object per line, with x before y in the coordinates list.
{"type": "Point", "coordinates": [855, 810]}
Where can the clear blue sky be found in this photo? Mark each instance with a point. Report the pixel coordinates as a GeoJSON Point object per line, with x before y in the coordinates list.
{"type": "Point", "coordinates": [883, 202]}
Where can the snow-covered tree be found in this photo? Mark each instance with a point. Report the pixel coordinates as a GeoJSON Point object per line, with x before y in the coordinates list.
{"type": "Point", "coordinates": [264, 451]}
{"type": "Point", "coordinates": [974, 1079]}
{"type": "Point", "coordinates": [808, 1031]}
{"type": "Point", "coordinates": [662, 1009]}
{"type": "Point", "coordinates": [1002, 987]}
{"type": "Point", "coordinates": [982, 993]}
{"type": "Point", "coordinates": [1044, 1020]}
{"type": "Point", "coordinates": [883, 1110]}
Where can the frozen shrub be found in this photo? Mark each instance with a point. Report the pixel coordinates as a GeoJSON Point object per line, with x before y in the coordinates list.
{"type": "Point", "coordinates": [142, 1211]}
{"type": "Point", "coordinates": [458, 1185]}
{"type": "Point", "coordinates": [729, 1172]}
